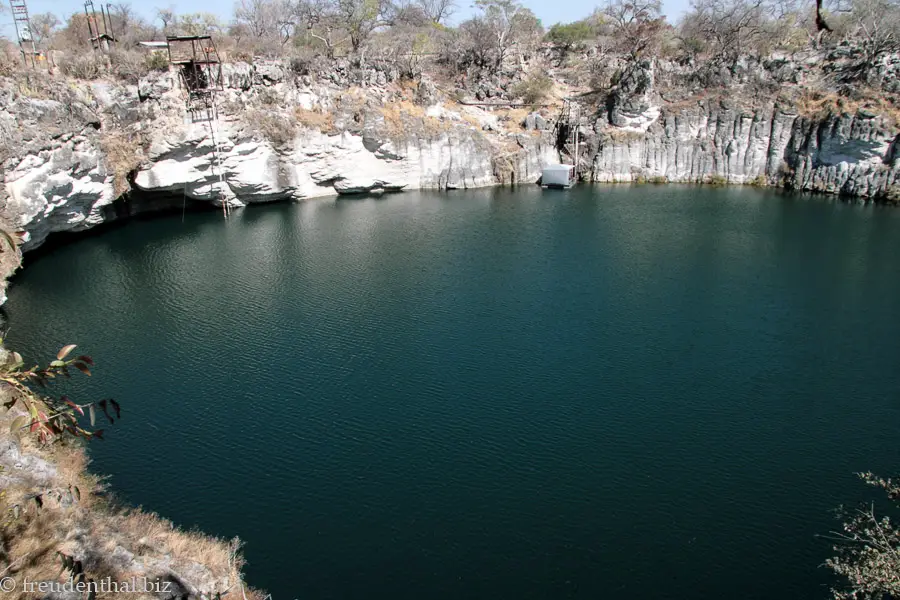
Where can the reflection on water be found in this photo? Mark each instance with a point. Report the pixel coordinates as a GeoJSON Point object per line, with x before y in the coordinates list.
{"type": "Point", "coordinates": [603, 392]}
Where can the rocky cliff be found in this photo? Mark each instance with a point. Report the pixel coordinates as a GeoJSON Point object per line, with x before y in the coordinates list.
{"type": "Point", "coordinates": [73, 148]}
{"type": "Point", "coordinates": [852, 154]}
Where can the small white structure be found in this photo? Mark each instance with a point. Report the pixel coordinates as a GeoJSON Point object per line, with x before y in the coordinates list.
{"type": "Point", "coordinates": [558, 176]}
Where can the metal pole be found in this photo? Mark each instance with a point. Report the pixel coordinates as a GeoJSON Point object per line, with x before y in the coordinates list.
{"type": "Point", "coordinates": [109, 16]}
{"type": "Point", "coordinates": [88, 17]}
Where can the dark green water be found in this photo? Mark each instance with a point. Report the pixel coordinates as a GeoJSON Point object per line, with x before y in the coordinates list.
{"type": "Point", "coordinates": [616, 392]}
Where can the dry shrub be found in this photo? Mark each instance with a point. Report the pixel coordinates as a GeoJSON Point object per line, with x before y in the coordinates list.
{"type": "Point", "coordinates": [128, 65]}
{"type": "Point", "coordinates": [10, 59]}
{"type": "Point", "coordinates": [404, 118]}
{"type": "Point", "coordinates": [820, 104]}
{"type": "Point", "coordinates": [124, 156]}
{"type": "Point", "coordinates": [85, 66]}
{"type": "Point", "coordinates": [276, 128]}
{"type": "Point", "coordinates": [534, 89]}
{"type": "Point", "coordinates": [315, 119]}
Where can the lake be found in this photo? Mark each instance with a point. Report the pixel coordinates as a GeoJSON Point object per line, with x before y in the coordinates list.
{"type": "Point", "coordinates": [606, 392]}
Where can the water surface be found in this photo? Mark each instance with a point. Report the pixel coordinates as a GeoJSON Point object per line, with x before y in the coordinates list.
{"type": "Point", "coordinates": [642, 392]}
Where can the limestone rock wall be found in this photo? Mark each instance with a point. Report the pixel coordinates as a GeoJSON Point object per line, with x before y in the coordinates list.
{"type": "Point", "coordinates": [852, 154]}
{"type": "Point", "coordinates": [60, 170]}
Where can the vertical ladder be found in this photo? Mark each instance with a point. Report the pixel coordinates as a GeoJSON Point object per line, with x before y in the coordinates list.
{"type": "Point", "coordinates": [23, 31]}
{"type": "Point", "coordinates": [567, 134]}
{"type": "Point", "coordinates": [201, 73]}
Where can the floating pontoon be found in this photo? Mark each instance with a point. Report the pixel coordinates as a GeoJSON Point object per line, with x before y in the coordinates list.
{"type": "Point", "coordinates": [558, 176]}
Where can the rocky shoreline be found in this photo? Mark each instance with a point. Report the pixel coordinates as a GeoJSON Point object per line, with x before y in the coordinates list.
{"type": "Point", "coordinates": [75, 147]}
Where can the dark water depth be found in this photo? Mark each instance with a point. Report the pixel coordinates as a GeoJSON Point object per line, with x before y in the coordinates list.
{"type": "Point", "coordinates": [611, 392]}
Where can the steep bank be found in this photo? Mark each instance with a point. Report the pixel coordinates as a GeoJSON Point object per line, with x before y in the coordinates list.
{"type": "Point", "coordinates": [73, 147]}
{"type": "Point", "coordinates": [53, 509]}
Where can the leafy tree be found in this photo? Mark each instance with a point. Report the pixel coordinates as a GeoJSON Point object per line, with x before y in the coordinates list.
{"type": "Point", "coordinates": [637, 26]}
{"type": "Point", "coordinates": [361, 18]}
{"type": "Point", "coordinates": [166, 16]}
{"type": "Point", "coordinates": [503, 25]}
{"type": "Point", "coordinates": [568, 36]}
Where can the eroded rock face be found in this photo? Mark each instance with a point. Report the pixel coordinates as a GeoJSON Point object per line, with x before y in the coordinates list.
{"type": "Point", "coordinates": [850, 154]}
{"type": "Point", "coordinates": [318, 165]}
{"type": "Point", "coordinates": [58, 176]}
{"type": "Point", "coordinates": [63, 187]}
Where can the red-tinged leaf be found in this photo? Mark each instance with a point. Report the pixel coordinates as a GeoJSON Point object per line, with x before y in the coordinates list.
{"type": "Point", "coordinates": [86, 359]}
{"type": "Point", "coordinates": [64, 351]}
{"type": "Point", "coordinates": [43, 416]}
{"type": "Point", "coordinates": [98, 434]}
{"type": "Point", "coordinates": [34, 427]}
{"type": "Point", "coordinates": [83, 368]}
{"type": "Point", "coordinates": [74, 406]}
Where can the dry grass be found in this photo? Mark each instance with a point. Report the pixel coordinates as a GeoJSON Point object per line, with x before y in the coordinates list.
{"type": "Point", "coordinates": [403, 118]}
{"type": "Point", "coordinates": [112, 542]}
{"type": "Point", "coordinates": [514, 118]}
{"type": "Point", "coordinates": [819, 104]}
{"type": "Point", "coordinates": [317, 119]}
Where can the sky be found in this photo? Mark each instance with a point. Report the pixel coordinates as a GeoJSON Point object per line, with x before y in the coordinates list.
{"type": "Point", "coordinates": [548, 11]}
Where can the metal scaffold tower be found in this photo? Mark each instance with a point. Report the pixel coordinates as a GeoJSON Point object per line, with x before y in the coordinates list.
{"type": "Point", "coordinates": [100, 30]}
{"type": "Point", "coordinates": [201, 74]}
{"type": "Point", "coordinates": [23, 32]}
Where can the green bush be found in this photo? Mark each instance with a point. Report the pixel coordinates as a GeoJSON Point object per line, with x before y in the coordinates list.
{"type": "Point", "coordinates": [570, 35]}
{"type": "Point", "coordinates": [534, 89]}
{"type": "Point", "coordinates": [157, 61]}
